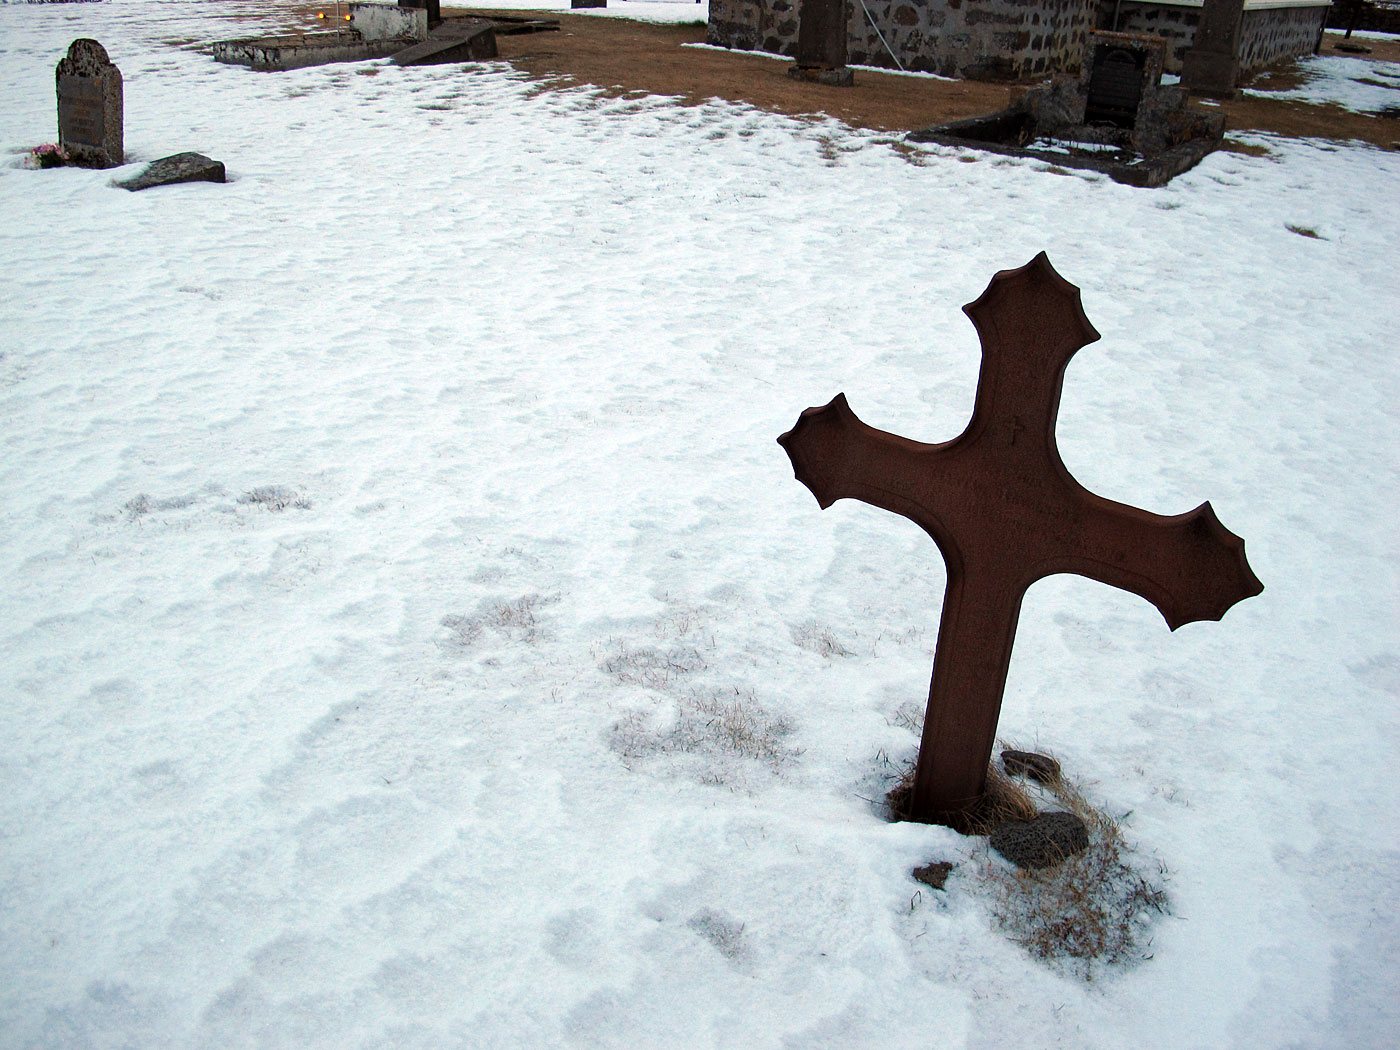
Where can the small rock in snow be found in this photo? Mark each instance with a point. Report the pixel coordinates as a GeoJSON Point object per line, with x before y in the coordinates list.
{"type": "Point", "coordinates": [1039, 843]}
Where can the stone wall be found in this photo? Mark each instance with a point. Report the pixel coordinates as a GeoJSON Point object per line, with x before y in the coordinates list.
{"type": "Point", "coordinates": [1009, 39]}
{"type": "Point", "coordinates": [1175, 24]}
{"type": "Point", "coordinates": [996, 39]}
{"type": "Point", "coordinates": [754, 25]}
{"type": "Point", "coordinates": [1267, 34]}
{"type": "Point", "coordinates": [1271, 35]}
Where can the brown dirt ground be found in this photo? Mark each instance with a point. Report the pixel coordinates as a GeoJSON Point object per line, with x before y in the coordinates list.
{"type": "Point", "coordinates": [622, 56]}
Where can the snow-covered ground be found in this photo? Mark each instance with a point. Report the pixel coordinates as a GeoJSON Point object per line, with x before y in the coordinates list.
{"type": "Point", "coordinates": [414, 637]}
{"type": "Point", "coordinates": [1362, 87]}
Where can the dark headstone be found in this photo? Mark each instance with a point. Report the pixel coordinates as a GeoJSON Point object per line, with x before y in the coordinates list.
{"type": "Point", "coordinates": [182, 167]}
{"type": "Point", "coordinates": [1006, 512]}
{"type": "Point", "coordinates": [1211, 65]}
{"type": "Point", "coordinates": [89, 106]}
{"type": "Point", "coordinates": [433, 7]}
{"type": "Point", "coordinates": [1039, 843]}
{"type": "Point", "coordinates": [821, 43]}
{"type": "Point", "coordinates": [588, 3]}
{"type": "Point", "coordinates": [935, 874]}
{"type": "Point", "coordinates": [1041, 768]}
{"type": "Point", "coordinates": [1115, 86]}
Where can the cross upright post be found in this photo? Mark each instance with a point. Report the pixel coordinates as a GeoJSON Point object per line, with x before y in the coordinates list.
{"type": "Point", "coordinates": [1005, 512]}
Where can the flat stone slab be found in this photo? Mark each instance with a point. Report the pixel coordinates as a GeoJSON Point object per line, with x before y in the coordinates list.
{"type": "Point", "coordinates": [295, 51]}
{"type": "Point", "coordinates": [182, 167]}
{"type": "Point", "coordinates": [460, 40]}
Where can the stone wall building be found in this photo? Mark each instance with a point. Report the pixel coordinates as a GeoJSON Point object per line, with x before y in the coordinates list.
{"type": "Point", "coordinates": [1270, 30]}
{"type": "Point", "coordinates": [1013, 39]}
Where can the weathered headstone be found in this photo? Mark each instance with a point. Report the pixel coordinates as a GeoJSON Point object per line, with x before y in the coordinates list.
{"type": "Point", "coordinates": [821, 43]}
{"type": "Point", "coordinates": [1005, 512]}
{"type": "Point", "coordinates": [89, 106]}
{"type": "Point", "coordinates": [1115, 86]}
{"type": "Point", "coordinates": [433, 7]}
{"type": "Point", "coordinates": [170, 171]}
{"type": "Point", "coordinates": [1211, 65]}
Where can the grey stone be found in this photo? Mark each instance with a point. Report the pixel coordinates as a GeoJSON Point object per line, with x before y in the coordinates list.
{"type": "Point", "coordinates": [1039, 843]}
{"type": "Point", "coordinates": [182, 167]}
{"type": "Point", "coordinates": [90, 112]}
{"type": "Point", "coordinates": [1041, 768]}
{"type": "Point", "coordinates": [460, 40]}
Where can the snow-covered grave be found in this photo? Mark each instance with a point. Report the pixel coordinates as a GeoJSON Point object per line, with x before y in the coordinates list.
{"type": "Point", "coordinates": [413, 635]}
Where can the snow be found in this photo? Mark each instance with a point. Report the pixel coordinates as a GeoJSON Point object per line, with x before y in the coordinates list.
{"type": "Point", "coordinates": [1361, 87]}
{"type": "Point", "coordinates": [413, 635]}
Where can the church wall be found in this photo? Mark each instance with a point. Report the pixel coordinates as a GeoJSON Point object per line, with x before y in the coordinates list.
{"type": "Point", "coordinates": [995, 39]}
{"type": "Point", "coordinates": [1267, 34]}
{"type": "Point", "coordinates": [1011, 39]}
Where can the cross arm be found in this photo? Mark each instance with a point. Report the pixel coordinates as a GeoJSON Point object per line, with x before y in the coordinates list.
{"type": "Point", "coordinates": [838, 457]}
{"type": "Point", "coordinates": [1190, 566]}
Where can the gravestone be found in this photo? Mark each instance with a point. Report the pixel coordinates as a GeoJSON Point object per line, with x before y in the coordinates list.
{"type": "Point", "coordinates": [1211, 66]}
{"type": "Point", "coordinates": [171, 171]}
{"type": "Point", "coordinates": [89, 106]}
{"type": "Point", "coordinates": [1005, 512]}
{"type": "Point", "coordinates": [433, 7]}
{"type": "Point", "coordinates": [821, 43]}
{"type": "Point", "coordinates": [1115, 86]}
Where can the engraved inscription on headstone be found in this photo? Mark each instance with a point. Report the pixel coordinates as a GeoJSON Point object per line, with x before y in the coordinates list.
{"type": "Point", "coordinates": [1115, 86]}
{"type": "Point", "coordinates": [89, 106]}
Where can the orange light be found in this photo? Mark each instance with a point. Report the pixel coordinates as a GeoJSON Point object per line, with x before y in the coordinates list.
{"type": "Point", "coordinates": [320, 14]}
{"type": "Point", "coordinates": [347, 18]}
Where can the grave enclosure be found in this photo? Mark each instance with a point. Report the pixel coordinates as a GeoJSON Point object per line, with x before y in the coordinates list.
{"type": "Point", "coordinates": [1116, 117]}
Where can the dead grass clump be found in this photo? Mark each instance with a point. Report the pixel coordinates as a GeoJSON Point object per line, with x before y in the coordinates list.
{"type": "Point", "coordinates": [1091, 910]}
{"type": "Point", "coordinates": [650, 667]}
{"type": "Point", "coordinates": [1002, 800]}
{"type": "Point", "coordinates": [712, 725]}
{"type": "Point", "coordinates": [275, 498]}
{"type": "Point", "coordinates": [515, 619]}
{"type": "Point", "coordinates": [817, 638]}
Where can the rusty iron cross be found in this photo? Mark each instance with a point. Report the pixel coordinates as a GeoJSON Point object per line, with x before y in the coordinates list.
{"type": "Point", "coordinates": [1005, 512]}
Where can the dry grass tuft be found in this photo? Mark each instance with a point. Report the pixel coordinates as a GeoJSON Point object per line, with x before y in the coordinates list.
{"type": "Point", "coordinates": [1002, 800]}
{"type": "Point", "coordinates": [1093, 909]}
{"type": "Point", "coordinates": [716, 726]}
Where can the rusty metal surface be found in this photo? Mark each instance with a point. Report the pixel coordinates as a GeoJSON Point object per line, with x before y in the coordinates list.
{"type": "Point", "coordinates": [1005, 512]}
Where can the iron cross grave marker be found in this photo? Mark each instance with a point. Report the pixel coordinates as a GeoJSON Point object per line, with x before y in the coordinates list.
{"type": "Point", "coordinates": [1005, 512]}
